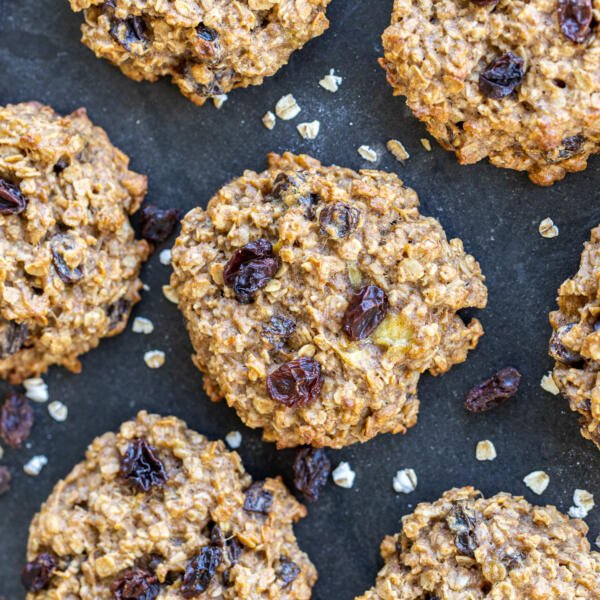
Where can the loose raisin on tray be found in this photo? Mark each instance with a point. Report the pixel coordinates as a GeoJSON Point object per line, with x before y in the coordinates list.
{"type": "Point", "coordinates": [157, 224]}
{"type": "Point", "coordinates": [365, 312]}
{"type": "Point", "coordinates": [559, 352]}
{"type": "Point", "coordinates": [132, 30]}
{"type": "Point", "coordinates": [5, 479]}
{"type": "Point", "coordinates": [278, 330]}
{"type": "Point", "coordinates": [575, 19]}
{"type": "Point", "coordinates": [494, 391]}
{"type": "Point", "coordinates": [200, 571]}
{"type": "Point", "coordinates": [462, 521]}
{"type": "Point", "coordinates": [36, 574]}
{"type": "Point", "coordinates": [60, 245]}
{"type": "Point", "coordinates": [296, 383]}
{"type": "Point", "coordinates": [12, 201]}
{"type": "Point", "coordinates": [16, 419]}
{"type": "Point", "coordinates": [135, 584]}
{"type": "Point", "coordinates": [311, 470]}
{"type": "Point", "coordinates": [288, 571]}
{"type": "Point", "coordinates": [502, 76]}
{"type": "Point", "coordinates": [141, 467]}
{"type": "Point", "coordinates": [339, 220]}
{"type": "Point", "coordinates": [12, 337]}
{"type": "Point", "coordinates": [258, 499]}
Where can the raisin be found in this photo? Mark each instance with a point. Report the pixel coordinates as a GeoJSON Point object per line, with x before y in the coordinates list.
{"type": "Point", "coordinates": [278, 330]}
{"type": "Point", "coordinates": [207, 45]}
{"type": "Point", "coordinates": [157, 224]}
{"type": "Point", "coordinates": [485, 2]}
{"type": "Point", "coordinates": [575, 19]}
{"type": "Point", "coordinates": [365, 312]}
{"type": "Point", "coordinates": [296, 383]}
{"type": "Point", "coordinates": [258, 499]}
{"type": "Point", "coordinates": [118, 313]}
{"type": "Point", "coordinates": [60, 165]}
{"type": "Point", "coordinates": [462, 521]}
{"type": "Point", "coordinates": [16, 419]}
{"type": "Point", "coordinates": [494, 391]}
{"type": "Point", "coordinates": [12, 201]}
{"type": "Point", "coordinates": [200, 571]}
{"type": "Point", "coordinates": [12, 337]}
{"type": "Point", "coordinates": [60, 245]}
{"type": "Point", "coordinates": [502, 76]}
{"type": "Point", "coordinates": [570, 146]}
{"type": "Point", "coordinates": [281, 184]}
{"type": "Point", "coordinates": [135, 584]}
{"type": "Point", "coordinates": [36, 574]}
{"type": "Point", "coordinates": [559, 352]}
{"type": "Point", "coordinates": [513, 560]}
{"type": "Point", "coordinates": [339, 220]}
{"type": "Point", "coordinates": [141, 467]}
{"type": "Point", "coordinates": [132, 30]}
{"type": "Point", "coordinates": [250, 269]}
{"type": "Point", "coordinates": [234, 549]}
{"type": "Point", "coordinates": [288, 571]}
{"type": "Point", "coordinates": [216, 536]}
{"type": "Point", "coordinates": [5, 479]}
{"type": "Point", "coordinates": [311, 470]}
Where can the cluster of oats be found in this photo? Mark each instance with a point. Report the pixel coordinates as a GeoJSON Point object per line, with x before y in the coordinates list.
{"type": "Point", "coordinates": [36, 389]}
{"type": "Point", "coordinates": [583, 502]}
{"type": "Point", "coordinates": [547, 228]}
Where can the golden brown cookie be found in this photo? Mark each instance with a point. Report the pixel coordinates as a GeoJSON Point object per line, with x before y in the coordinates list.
{"type": "Point", "coordinates": [159, 511]}
{"type": "Point", "coordinates": [208, 47]}
{"type": "Point", "coordinates": [69, 261]}
{"type": "Point", "coordinates": [516, 81]}
{"type": "Point", "coordinates": [316, 296]}
{"type": "Point", "coordinates": [466, 547]}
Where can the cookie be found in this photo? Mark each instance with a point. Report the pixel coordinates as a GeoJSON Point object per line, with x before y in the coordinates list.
{"type": "Point", "coordinates": [207, 48]}
{"type": "Point", "coordinates": [464, 546]}
{"type": "Point", "coordinates": [575, 342]}
{"type": "Point", "coordinates": [516, 81]}
{"type": "Point", "coordinates": [316, 296]}
{"type": "Point", "coordinates": [69, 262]}
{"type": "Point", "coordinates": [159, 511]}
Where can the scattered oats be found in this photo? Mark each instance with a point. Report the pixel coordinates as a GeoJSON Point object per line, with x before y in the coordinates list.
{"type": "Point", "coordinates": [537, 481]}
{"type": "Point", "coordinates": [142, 325]}
{"type": "Point", "coordinates": [165, 256]}
{"type": "Point", "coordinates": [269, 120]}
{"type": "Point", "coordinates": [368, 153]}
{"type": "Point", "coordinates": [170, 294]}
{"type": "Point", "coordinates": [36, 389]}
{"type": "Point", "coordinates": [331, 82]}
{"type": "Point", "coordinates": [584, 502]}
{"type": "Point", "coordinates": [145, 287]}
{"type": "Point", "coordinates": [309, 131]}
{"type": "Point", "coordinates": [35, 465]}
{"type": "Point", "coordinates": [426, 144]}
{"type": "Point", "coordinates": [405, 481]}
{"type": "Point", "coordinates": [549, 384]}
{"type": "Point", "coordinates": [154, 358]}
{"type": "Point", "coordinates": [548, 229]}
{"type": "Point", "coordinates": [234, 439]}
{"type": "Point", "coordinates": [58, 411]}
{"type": "Point", "coordinates": [398, 150]}
{"type": "Point", "coordinates": [343, 475]}
{"type": "Point", "coordinates": [485, 450]}
{"type": "Point", "coordinates": [219, 100]}
{"type": "Point", "coordinates": [287, 108]}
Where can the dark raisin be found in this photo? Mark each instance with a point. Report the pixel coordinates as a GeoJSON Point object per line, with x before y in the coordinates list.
{"type": "Point", "coordinates": [216, 536]}
{"type": "Point", "coordinates": [200, 571]}
{"type": "Point", "coordinates": [118, 313]}
{"type": "Point", "coordinates": [364, 313]}
{"type": "Point", "coordinates": [258, 499]}
{"type": "Point", "coordinates": [12, 337]}
{"type": "Point", "coordinates": [60, 245]}
{"type": "Point", "coordinates": [281, 184]}
{"type": "Point", "coordinates": [288, 571]}
{"type": "Point", "coordinates": [250, 269]}
{"type": "Point", "coordinates": [485, 2]}
{"type": "Point", "coordinates": [135, 584]}
{"type": "Point", "coordinates": [157, 224]}
{"type": "Point", "coordinates": [296, 383]}
{"type": "Point", "coordinates": [462, 521]}
{"type": "Point", "coordinates": [12, 201]}
{"type": "Point", "coordinates": [575, 19]}
{"type": "Point", "coordinates": [339, 220]}
{"type": "Point", "coordinates": [494, 391]}
{"type": "Point", "coordinates": [559, 352]}
{"type": "Point", "coordinates": [16, 419]}
{"type": "Point", "coordinates": [132, 30]}
{"type": "Point", "coordinates": [60, 165]}
{"type": "Point", "coordinates": [36, 574]}
{"type": "Point", "coordinates": [513, 560]}
{"type": "Point", "coordinates": [311, 470]}
{"type": "Point", "coordinates": [141, 467]}
{"type": "Point", "coordinates": [206, 33]}
{"type": "Point", "coordinates": [234, 549]}
{"type": "Point", "coordinates": [310, 204]}
{"type": "Point", "coordinates": [570, 146]}
{"type": "Point", "coordinates": [5, 479]}
{"type": "Point", "coordinates": [278, 330]}
{"type": "Point", "coordinates": [502, 76]}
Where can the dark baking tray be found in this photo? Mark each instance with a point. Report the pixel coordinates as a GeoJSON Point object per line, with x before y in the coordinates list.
{"type": "Point", "coordinates": [188, 153]}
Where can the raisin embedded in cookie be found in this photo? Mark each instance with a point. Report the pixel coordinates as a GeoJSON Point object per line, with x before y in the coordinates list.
{"type": "Point", "coordinates": [466, 546]}
{"type": "Point", "coordinates": [575, 342]}
{"type": "Point", "coordinates": [159, 511]}
{"type": "Point", "coordinates": [208, 48]}
{"type": "Point", "coordinates": [516, 81]}
{"type": "Point", "coordinates": [316, 296]}
{"type": "Point", "coordinates": [69, 261]}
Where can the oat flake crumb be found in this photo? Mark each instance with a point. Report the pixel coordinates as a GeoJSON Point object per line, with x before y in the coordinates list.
{"type": "Point", "coordinates": [154, 359]}
{"type": "Point", "coordinates": [142, 325]}
{"type": "Point", "coordinates": [287, 108]}
{"type": "Point", "coordinates": [343, 475]}
{"type": "Point", "coordinates": [269, 120]}
{"type": "Point", "coordinates": [405, 481]}
{"type": "Point", "coordinates": [58, 411]}
{"type": "Point", "coordinates": [36, 389]}
{"type": "Point", "coordinates": [485, 450]}
{"type": "Point", "coordinates": [537, 481]}
{"type": "Point", "coordinates": [1, 452]}
{"type": "Point", "coordinates": [218, 101]}
{"type": "Point", "coordinates": [35, 465]}
{"type": "Point", "coordinates": [331, 82]}
{"type": "Point", "coordinates": [583, 502]}
{"type": "Point", "coordinates": [170, 294]}
{"type": "Point", "coordinates": [165, 256]}
{"type": "Point", "coordinates": [309, 131]}
{"type": "Point", "coordinates": [368, 153]}
{"type": "Point", "coordinates": [234, 439]}
{"type": "Point", "coordinates": [398, 150]}
{"type": "Point", "coordinates": [426, 144]}
{"type": "Point", "coordinates": [547, 228]}
{"type": "Point", "coordinates": [548, 384]}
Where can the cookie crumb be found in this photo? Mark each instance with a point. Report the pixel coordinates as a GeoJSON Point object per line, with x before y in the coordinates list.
{"type": "Point", "coordinates": [146, 287]}
{"type": "Point", "coordinates": [35, 465]}
{"type": "Point", "coordinates": [234, 439]}
{"type": "Point", "coordinates": [331, 82]}
{"type": "Point", "coordinates": [154, 359]}
{"type": "Point", "coordinates": [368, 153]}
{"type": "Point", "coordinates": [58, 411]}
{"type": "Point", "coordinates": [287, 108]}
{"type": "Point", "coordinates": [219, 100]}
{"type": "Point", "coordinates": [485, 450]}
{"type": "Point", "coordinates": [426, 144]}
{"type": "Point", "coordinates": [36, 389]}
{"type": "Point", "coordinates": [309, 131]}
{"type": "Point", "coordinates": [405, 481]}
{"type": "Point", "coordinates": [165, 257]}
{"type": "Point", "coordinates": [142, 325]}
{"type": "Point", "coordinates": [547, 228]}
{"type": "Point", "coordinates": [269, 120]}
{"type": "Point", "coordinates": [549, 385]}
{"type": "Point", "coordinates": [170, 294]}
{"type": "Point", "coordinates": [397, 148]}
{"type": "Point", "coordinates": [583, 502]}
{"type": "Point", "coordinates": [343, 475]}
{"type": "Point", "coordinates": [537, 481]}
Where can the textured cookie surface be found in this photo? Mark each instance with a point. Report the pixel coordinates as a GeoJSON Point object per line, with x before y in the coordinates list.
{"type": "Point", "coordinates": [297, 357]}
{"type": "Point", "coordinates": [436, 52]}
{"type": "Point", "coordinates": [69, 262]}
{"type": "Point", "coordinates": [575, 343]}
{"type": "Point", "coordinates": [189, 499]}
{"type": "Point", "coordinates": [208, 47]}
{"type": "Point", "coordinates": [466, 547]}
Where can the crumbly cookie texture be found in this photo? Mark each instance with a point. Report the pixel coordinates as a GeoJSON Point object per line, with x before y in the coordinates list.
{"type": "Point", "coordinates": [208, 47]}
{"type": "Point", "coordinates": [575, 343]}
{"type": "Point", "coordinates": [466, 547]}
{"type": "Point", "coordinates": [333, 232]}
{"type": "Point", "coordinates": [69, 260]}
{"type": "Point", "coordinates": [435, 52]}
{"type": "Point", "coordinates": [97, 527]}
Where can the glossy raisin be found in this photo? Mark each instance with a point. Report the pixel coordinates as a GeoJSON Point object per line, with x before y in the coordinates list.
{"type": "Point", "coordinates": [234, 550]}
{"type": "Point", "coordinates": [339, 220]}
{"type": "Point", "coordinates": [207, 45]}
{"type": "Point", "coordinates": [258, 499]}
{"type": "Point", "coordinates": [118, 313]}
{"type": "Point", "coordinates": [311, 470]}
{"type": "Point", "coordinates": [575, 19]}
{"type": "Point", "coordinates": [12, 201]}
{"type": "Point", "coordinates": [60, 245]}
{"type": "Point", "coordinates": [278, 330]}
{"type": "Point", "coordinates": [135, 584]}
{"type": "Point", "coordinates": [296, 383]}
{"type": "Point", "coordinates": [494, 391]}
{"type": "Point", "coordinates": [36, 574]}
{"type": "Point", "coordinates": [288, 571]}
{"type": "Point", "coordinates": [129, 31]}
{"type": "Point", "coordinates": [462, 521]}
{"type": "Point", "coordinates": [570, 146]}
{"type": "Point", "coordinates": [5, 479]}
{"type": "Point", "coordinates": [559, 352]}
{"type": "Point", "coordinates": [157, 224]}
{"type": "Point", "coordinates": [141, 467]}
{"type": "Point", "coordinates": [502, 76]}
{"type": "Point", "coordinates": [60, 165]}
{"type": "Point", "coordinates": [200, 571]}
{"type": "Point", "coordinates": [12, 337]}
{"type": "Point", "coordinates": [16, 419]}
{"type": "Point", "coordinates": [365, 312]}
